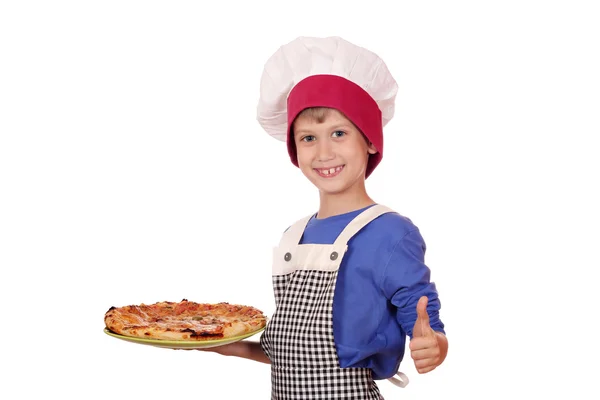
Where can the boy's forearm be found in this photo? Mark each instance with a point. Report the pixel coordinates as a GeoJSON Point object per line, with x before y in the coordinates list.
{"type": "Point", "coordinates": [244, 349]}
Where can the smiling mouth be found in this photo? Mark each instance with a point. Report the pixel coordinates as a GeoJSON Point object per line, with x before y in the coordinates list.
{"type": "Point", "coordinates": [329, 172]}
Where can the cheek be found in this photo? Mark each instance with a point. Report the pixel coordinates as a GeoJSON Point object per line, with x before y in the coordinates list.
{"type": "Point", "coordinates": [360, 157]}
{"type": "Point", "coordinates": [358, 153]}
{"type": "Point", "coordinates": [303, 158]}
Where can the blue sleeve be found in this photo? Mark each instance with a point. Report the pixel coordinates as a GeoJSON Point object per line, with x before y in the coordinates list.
{"type": "Point", "coordinates": [406, 278]}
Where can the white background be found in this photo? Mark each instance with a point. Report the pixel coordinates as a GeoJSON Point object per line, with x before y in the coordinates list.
{"type": "Point", "coordinates": [132, 170]}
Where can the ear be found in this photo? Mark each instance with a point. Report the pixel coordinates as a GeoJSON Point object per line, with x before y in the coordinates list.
{"type": "Point", "coordinates": [371, 149]}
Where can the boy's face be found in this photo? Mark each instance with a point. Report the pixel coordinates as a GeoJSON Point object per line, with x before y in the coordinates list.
{"type": "Point", "coordinates": [332, 154]}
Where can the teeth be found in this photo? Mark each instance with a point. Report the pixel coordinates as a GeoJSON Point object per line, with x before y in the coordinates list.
{"type": "Point", "coordinates": [331, 170]}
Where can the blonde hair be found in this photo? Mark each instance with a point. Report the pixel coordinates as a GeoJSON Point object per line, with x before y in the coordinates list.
{"type": "Point", "coordinates": [317, 114]}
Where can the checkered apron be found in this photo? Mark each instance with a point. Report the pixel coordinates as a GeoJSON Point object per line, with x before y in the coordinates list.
{"type": "Point", "coordinates": [298, 338]}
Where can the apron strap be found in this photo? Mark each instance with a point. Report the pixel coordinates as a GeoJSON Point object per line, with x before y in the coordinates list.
{"type": "Point", "coordinates": [360, 221]}
{"type": "Point", "coordinates": [292, 236]}
{"type": "Point", "coordinates": [401, 381]}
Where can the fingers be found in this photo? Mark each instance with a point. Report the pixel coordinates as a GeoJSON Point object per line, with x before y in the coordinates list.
{"type": "Point", "coordinates": [426, 360]}
{"type": "Point", "coordinates": [424, 342]}
{"type": "Point", "coordinates": [425, 345]}
{"type": "Point", "coordinates": [425, 352]}
{"type": "Point", "coordinates": [426, 369]}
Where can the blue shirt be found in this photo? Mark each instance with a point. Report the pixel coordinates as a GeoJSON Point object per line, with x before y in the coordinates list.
{"type": "Point", "coordinates": [380, 280]}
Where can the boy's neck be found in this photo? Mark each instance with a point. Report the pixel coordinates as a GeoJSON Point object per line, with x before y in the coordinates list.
{"type": "Point", "coordinates": [336, 204]}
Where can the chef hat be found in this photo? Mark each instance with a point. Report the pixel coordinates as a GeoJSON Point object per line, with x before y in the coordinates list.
{"type": "Point", "coordinates": [326, 72]}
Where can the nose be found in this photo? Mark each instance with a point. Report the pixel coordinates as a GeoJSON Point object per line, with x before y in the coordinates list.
{"type": "Point", "coordinates": [325, 151]}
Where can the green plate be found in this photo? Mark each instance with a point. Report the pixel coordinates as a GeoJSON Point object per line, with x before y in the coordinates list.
{"type": "Point", "coordinates": [182, 344]}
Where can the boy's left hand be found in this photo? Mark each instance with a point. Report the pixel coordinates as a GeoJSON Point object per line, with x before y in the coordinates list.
{"type": "Point", "coordinates": [424, 346]}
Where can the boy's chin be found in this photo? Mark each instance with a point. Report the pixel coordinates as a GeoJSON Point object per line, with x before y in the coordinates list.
{"type": "Point", "coordinates": [331, 189]}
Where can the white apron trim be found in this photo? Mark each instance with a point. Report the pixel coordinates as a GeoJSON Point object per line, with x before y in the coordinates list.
{"type": "Point", "coordinates": [401, 381]}
{"type": "Point", "coordinates": [315, 257]}
{"type": "Point", "coordinates": [292, 236]}
{"type": "Point", "coordinates": [360, 221]}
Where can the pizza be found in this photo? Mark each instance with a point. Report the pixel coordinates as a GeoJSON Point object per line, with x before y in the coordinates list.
{"type": "Point", "coordinates": [184, 320]}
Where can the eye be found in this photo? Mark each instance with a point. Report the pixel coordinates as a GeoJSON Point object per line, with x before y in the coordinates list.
{"type": "Point", "coordinates": [308, 138]}
{"type": "Point", "coordinates": [338, 134]}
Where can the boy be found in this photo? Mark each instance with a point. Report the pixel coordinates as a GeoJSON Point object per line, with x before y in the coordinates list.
{"type": "Point", "coordinates": [350, 281]}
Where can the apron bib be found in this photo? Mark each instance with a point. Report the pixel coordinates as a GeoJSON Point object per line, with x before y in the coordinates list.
{"type": "Point", "coordinates": [298, 338]}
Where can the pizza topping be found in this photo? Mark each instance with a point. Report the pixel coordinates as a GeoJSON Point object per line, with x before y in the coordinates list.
{"type": "Point", "coordinates": [184, 320]}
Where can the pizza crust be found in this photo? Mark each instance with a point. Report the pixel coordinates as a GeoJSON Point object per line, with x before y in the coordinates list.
{"type": "Point", "coordinates": [184, 320]}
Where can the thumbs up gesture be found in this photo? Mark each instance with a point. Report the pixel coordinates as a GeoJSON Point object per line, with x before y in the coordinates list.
{"type": "Point", "coordinates": [425, 346]}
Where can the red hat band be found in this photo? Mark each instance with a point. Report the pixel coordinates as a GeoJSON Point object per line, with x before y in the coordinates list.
{"type": "Point", "coordinates": [334, 91]}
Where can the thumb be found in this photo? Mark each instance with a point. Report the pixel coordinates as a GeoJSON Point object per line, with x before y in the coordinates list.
{"type": "Point", "coordinates": [422, 324]}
